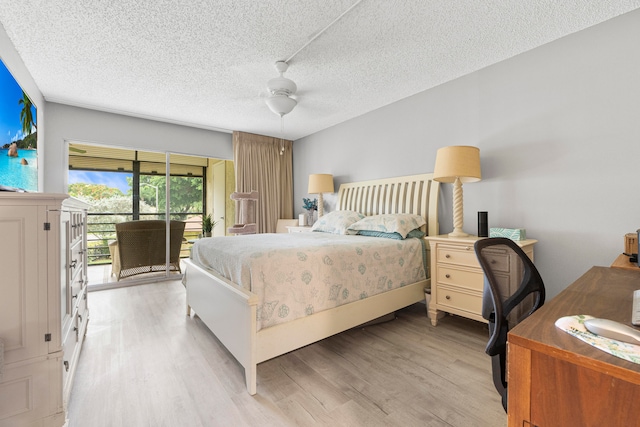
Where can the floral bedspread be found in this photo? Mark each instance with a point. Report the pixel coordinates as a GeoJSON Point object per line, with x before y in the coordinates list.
{"type": "Point", "coordinates": [299, 274]}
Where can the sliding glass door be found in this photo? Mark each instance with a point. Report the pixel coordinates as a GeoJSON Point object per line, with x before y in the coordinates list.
{"type": "Point", "coordinates": [140, 201]}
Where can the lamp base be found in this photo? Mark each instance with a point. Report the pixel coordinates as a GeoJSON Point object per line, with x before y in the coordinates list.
{"type": "Point", "coordinates": [320, 205]}
{"type": "Point", "coordinates": [458, 216]}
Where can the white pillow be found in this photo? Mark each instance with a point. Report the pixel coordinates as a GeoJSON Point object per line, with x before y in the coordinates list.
{"type": "Point", "coordinates": [389, 223]}
{"type": "Point", "coordinates": [337, 222]}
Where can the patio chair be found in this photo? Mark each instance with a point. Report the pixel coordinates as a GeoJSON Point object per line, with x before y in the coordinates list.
{"type": "Point", "coordinates": [140, 247]}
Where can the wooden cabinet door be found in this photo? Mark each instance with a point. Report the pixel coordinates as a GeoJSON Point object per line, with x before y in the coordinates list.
{"type": "Point", "coordinates": [23, 303]}
{"type": "Point", "coordinates": [565, 394]}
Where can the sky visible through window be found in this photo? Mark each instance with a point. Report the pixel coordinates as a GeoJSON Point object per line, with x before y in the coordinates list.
{"type": "Point", "coordinates": [110, 179]}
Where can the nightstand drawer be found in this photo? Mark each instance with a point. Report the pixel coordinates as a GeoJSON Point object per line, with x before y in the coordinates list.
{"type": "Point", "coordinates": [499, 260]}
{"type": "Point", "coordinates": [459, 300]}
{"type": "Point", "coordinates": [473, 280]}
{"type": "Point", "coordinates": [299, 229]}
{"type": "Point", "coordinates": [459, 255]}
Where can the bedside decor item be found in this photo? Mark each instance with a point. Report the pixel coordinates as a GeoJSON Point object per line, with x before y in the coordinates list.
{"type": "Point", "coordinates": [510, 233]}
{"type": "Point", "coordinates": [483, 224]}
{"type": "Point", "coordinates": [457, 164]}
{"type": "Point", "coordinates": [320, 183]}
{"type": "Point", "coordinates": [310, 206]}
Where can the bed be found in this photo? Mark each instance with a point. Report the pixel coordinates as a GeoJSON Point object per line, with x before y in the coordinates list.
{"type": "Point", "coordinates": [231, 312]}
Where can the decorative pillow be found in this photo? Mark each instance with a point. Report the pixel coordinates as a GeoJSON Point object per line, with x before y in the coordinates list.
{"type": "Point", "coordinates": [397, 236]}
{"type": "Point", "coordinates": [337, 222]}
{"type": "Point", "coordinates": [390, 223]}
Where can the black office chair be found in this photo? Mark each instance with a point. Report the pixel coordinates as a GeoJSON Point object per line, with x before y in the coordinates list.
{"type": "Point", "coordinates": [513, 289]}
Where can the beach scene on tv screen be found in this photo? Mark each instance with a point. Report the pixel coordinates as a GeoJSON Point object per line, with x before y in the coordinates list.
{"type": "Point", "coordinates": [18, 136]}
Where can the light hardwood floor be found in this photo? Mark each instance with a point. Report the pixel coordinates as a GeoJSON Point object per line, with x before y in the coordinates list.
{"type": "Point", "coordinates": [145, 363]}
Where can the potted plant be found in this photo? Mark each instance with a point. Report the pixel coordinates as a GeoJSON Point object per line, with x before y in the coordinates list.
{"type": "Point", "coordinates": [207, 225]}
{"type": "Point", "coordinates": [310, 206]}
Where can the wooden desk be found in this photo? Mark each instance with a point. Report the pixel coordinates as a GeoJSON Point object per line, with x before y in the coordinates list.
{"type": "Point", "coordinates": [557, 380]}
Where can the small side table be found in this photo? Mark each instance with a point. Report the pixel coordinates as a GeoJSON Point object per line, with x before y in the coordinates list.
{"type": "Point", "coordinates": [623, 262]}
{"type": "Point", "coordinates": [299, 228]}
{"type": "Point", "coordinates": [456, 277]}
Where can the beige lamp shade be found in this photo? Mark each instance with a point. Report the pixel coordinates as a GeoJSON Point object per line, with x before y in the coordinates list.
{"type": "Point", "coordinates": [457, 161]}
{"type": "Point", "coordinates": [320, 183]}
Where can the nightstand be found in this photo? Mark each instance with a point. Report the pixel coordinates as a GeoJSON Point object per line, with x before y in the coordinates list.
{"type": "Point", "coordinates": [299, 228]}
{"type": "Point", "coordinates": [456, 277]}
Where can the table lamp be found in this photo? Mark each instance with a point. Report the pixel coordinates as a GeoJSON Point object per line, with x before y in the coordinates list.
{"type": "Point", "coordinates": [320, 183]}
{"type": "Point", "coordinates": [457, 164]}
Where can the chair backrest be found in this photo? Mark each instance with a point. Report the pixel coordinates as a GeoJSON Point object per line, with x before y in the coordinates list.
{"type": "Point", "coordinates": [143, 242]}
{"type": "Point", "coordinates": [513, 289]}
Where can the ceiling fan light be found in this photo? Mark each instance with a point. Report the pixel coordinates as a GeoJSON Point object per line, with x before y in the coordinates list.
{"type": "Point", "coordinates": [281, 104]}
{"type": "Point", "coordinates": [281, 86]}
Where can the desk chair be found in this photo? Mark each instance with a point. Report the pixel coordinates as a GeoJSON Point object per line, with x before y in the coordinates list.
{"type": "Point", "coordinates": [513, 289]}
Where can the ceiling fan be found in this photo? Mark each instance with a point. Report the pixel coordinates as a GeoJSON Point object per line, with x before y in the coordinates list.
{"type": "Point", "coordinates": [281, 90]}
{"type": "Point", "coordinates": [76, 150]}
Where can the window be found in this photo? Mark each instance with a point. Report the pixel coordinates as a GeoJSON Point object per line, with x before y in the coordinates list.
{"type": "Point", "coordinates": [124, 185]}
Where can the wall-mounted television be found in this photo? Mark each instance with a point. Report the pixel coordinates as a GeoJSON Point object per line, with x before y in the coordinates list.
{"type": "Point", "coordinates": [18, 136]}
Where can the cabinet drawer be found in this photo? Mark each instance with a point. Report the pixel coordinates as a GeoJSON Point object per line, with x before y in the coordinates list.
{"type": "Point", "coordinates": [459, 255]}
{"type": "Point", "coordinates": [76, 220]}
{"type": "Point", "coordinates": [459, 299]}
{"type": "Point", "coordinates": [77, 259]}
{"type": "Point", "coordinates": [83, 313]}
{"type": "Point", "coordinates": [473, 280]}
{"type": "Point", "coordinates": [69, 348]}
{"type": "Point", "coordinates": [76, 288]}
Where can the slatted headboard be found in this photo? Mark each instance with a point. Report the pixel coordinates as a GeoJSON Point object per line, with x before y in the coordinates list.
{"type": "Point", "coordinates": [416, 194]}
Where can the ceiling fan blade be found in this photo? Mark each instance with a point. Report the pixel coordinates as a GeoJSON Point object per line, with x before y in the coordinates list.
{"type": "Point", "coordinates": [76, 150]}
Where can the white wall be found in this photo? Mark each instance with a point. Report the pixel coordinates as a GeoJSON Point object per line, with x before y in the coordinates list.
{"type": "Point", "coordinates": [66, 123]}
{"type": "Point", "coordinates": [559, 135]}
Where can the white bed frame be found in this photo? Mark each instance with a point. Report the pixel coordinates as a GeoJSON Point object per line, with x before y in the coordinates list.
{"type": "Point", "coordinates": [229, 310]}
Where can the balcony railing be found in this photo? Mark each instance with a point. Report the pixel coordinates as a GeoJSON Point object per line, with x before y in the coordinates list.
{"type": "Point", "coordinates": [101, 229]}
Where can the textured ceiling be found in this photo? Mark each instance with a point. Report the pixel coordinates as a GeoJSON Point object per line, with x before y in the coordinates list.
{"type": "Point", "coordinates": [206, 63]}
